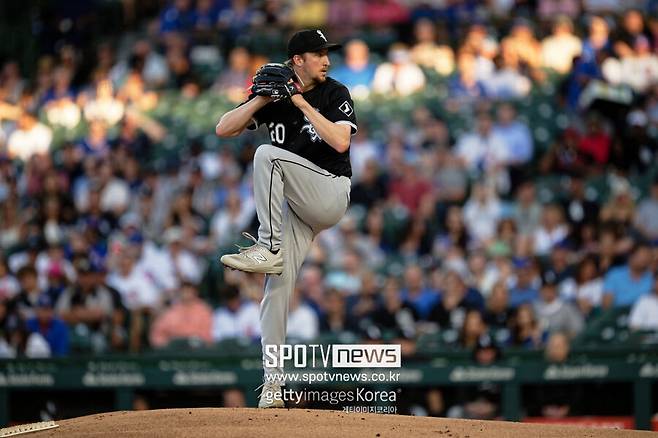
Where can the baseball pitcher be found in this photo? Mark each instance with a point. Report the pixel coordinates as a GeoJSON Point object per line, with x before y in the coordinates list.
{"type": "Point", "coordinates": [301, 180]}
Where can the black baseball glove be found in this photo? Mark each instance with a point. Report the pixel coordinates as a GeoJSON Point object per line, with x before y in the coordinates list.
{"type": "Point", "coordinates": [275, 81]}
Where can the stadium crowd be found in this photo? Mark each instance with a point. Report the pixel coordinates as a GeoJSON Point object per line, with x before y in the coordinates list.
{"type": "Point", "coordinates": [490, 233]}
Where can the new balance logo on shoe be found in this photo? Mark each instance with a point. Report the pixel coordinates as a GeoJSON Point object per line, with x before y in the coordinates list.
{"type": "Point", "coordinates": [255, 258]}
{"type": "Point", "coordinates": [260, 258]}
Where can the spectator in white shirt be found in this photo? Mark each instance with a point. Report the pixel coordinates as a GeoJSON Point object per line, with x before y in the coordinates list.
{"type": "Point", "coordinates": [589, 285]}
{"type": "Point", "coordinates": [147, 252]}
{"type": "Point", "coordinates": [63, 112]}
{"type": "Point", "coordinates": [640, 69]}
{"type": "Point", "coordinates": [115, 192]}
{"type": "Point", "coordinates": [237, 318]}
{"type": "Point", "coordinates": [139, 293]}
{"type": "Point", "coordinates": [227, 223]}
{"type": "Point", "coordinates": [559, 49]}
{"type": "Point", "coordinates": [481, 213]}
{"type": "Point", "coordinates": [137, 290]}
{"type": "Point", "coordinates": [484, 152]}
{"type": "Point", "coordinates": [485, 66]}
{"type": "Point", "coordinates": [104, 106]}
{"type": "Point", "coordinates": [553, 229]}
{"type": "Point", "coordinates": [400, 76]}
{"type": "Point", "coordinates": [303, 323]}
{"type": "Point", "coordinates": [182, 264]}
{"type": "Point", "coordinates": [482, 149]}
{"type": "Point", "coordinates": [30, 138]}
{"type": "Point", "coordinates": [508, 81]}
{"type": "Point", "coordinates": [644, 313]}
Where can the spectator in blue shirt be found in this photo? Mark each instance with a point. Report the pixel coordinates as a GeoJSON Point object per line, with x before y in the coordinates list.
{"type": "Point", "coordinates": [588, 66]}
{"type": "Point", "coordinates": [62, 87]}
{"type": "Point", "coordinates": [597, 41]}
{"type": "Point", "coordinates": [96, 143]}
{"type": "Point", "coordinates": [624, 285]}
{"type": "Point", "coordinates": [357, 72]}
{"type": "Point", "coordinates": [178, 17]}
{"type": "Point", "coordinates": [465, 86]}
{"type": "Point", "coordinates": [525, 290]}
{"type": "Point", "coordinates": [516, 134]}
{"type": "Point", "coordinates": [234, 22]}
{"type": "Point", "coordinates": [581, 74]}
{"type": "Point", "coordinates": [51, 328]}
{"type": "Point", "coordinates": [205, 15]}
{"type": "Point", "coordinates": [518, 141]}
{"type": "Point", "coordinates": [416, 293]}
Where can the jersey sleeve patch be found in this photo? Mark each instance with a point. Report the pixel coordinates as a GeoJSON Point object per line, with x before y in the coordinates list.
{"type": "Point", "coordinates": [346, 108]}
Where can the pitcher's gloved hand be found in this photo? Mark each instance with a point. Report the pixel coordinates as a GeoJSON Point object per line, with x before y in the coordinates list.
{"type": "Point", "coordinates": [276, 81]}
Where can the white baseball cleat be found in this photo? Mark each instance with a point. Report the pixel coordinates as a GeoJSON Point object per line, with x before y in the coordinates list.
{"type": "Point", "coordinates": [254, 258]}
{"type": "Point", "coordinates": [271, 396]}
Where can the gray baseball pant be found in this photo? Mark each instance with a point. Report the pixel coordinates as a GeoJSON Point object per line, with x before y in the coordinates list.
{"type": "Point", "coordinates": [295, 200]}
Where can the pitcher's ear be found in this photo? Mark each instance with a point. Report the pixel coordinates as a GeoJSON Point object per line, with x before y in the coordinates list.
{"type": "Point", "coordinates": [292, 60]}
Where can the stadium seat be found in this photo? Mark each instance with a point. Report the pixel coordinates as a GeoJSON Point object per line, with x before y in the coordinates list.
{"type": "Point", "coordinates": [429, 343]}
{"type": "Point", "coordinates": [610, 327]}
{"type": "Point", "coordinates": [237, 347]}
{"type": "Point", "coordinates": [80, 341]}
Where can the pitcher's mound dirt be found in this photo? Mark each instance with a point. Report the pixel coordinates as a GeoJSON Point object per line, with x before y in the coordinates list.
{"type": "Point", "coordinates": [289, 423]}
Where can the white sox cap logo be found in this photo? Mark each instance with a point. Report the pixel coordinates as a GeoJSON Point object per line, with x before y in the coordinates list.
{"type": "Point", "coordinates": [346, 108]}
{"type": "Point", "coordinates": [322, 35]}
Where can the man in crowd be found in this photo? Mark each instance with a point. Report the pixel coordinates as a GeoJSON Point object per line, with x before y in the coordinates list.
{"type": "Point", "coordinates": [53, 329]}
{"type": "Point", "coordinates": [93, 308]}
{"type": "Point", "coordinates": [189, 317]}
{"type": "Point", "coordinates": [624, 285]}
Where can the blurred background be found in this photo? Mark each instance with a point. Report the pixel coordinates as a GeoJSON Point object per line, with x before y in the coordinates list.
{"type": "Point", "coordinates": [504, 211]}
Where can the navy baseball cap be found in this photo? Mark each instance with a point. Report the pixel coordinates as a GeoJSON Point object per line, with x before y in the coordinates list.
{"type": "Point", "coordinates": [309, 41]}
